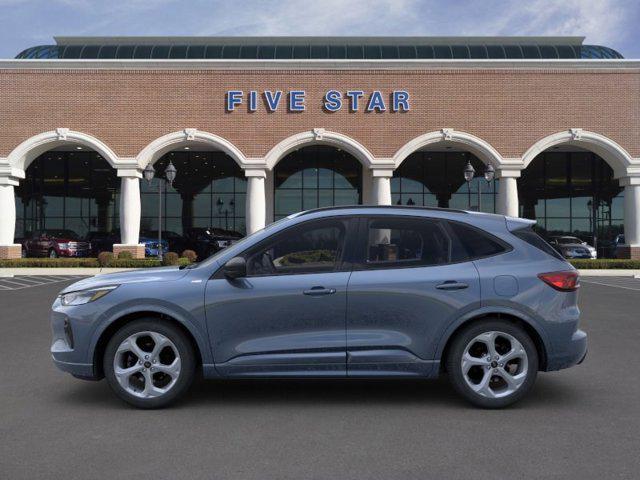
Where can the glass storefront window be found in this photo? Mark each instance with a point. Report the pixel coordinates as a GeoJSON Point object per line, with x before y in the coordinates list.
{"type": "Point", "coordinates": [315, 177]}
{"type": "Point", "coordinates": [72, 190]}
{"type": "Point", "coordinates": [208, 191]}
{"type": "Point", "coordinates": [436, 179]}
{"type": "Point", "coordinates": [573, 193]}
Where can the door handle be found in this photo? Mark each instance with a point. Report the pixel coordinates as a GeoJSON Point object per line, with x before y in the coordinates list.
{"type": "Point", "coordinates": [452, 285]}
{"type": "Point", "coordinates": [317, 291]}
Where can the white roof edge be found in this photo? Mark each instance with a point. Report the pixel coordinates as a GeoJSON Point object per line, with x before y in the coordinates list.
{"type": "Point", "coordinates": [319, 40]}
{"type": "Point", "coordinates": [330, 64]}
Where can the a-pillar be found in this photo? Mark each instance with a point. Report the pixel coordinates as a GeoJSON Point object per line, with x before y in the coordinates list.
{"type": "Point", "coordinates": [508, 192]}
{"type": "Point", "coordinates": [256, 203]}
{"type": "Point", "coordinates": [381, 191]}
{"type": "Point", "coordinates": [8, 249]}
{"type": "Point", "coordinates": [631, 247]}
{"type": "Point", "coordinates": [129, 213]}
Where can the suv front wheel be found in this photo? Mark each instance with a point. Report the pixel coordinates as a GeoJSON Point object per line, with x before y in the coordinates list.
{"type": "Point", "coordinates": [149, 363]}
{"type": "Point", "coordinates": [493, 363]}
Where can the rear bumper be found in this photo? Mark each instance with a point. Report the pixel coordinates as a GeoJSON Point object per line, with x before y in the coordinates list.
{"type": "Point", "coordinates": [574, 353]}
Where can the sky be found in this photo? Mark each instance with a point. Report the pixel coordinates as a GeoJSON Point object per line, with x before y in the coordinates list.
{"type": "Point", "coordinates": [613, 23]}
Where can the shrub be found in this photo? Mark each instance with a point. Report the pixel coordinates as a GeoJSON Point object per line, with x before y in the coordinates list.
{"type": "Point", "coordinates": [105, 258]}
{"type": "Point", "coordinates": [606, 263]}
{"type": "Point", "coordinates": [125, 255]}
{"type": "Point", "coordinates": [190, 255]}
{"type": "Point", "coordinates": [49, 262]}
{"type": "Point", "coordinates": [170, 259]}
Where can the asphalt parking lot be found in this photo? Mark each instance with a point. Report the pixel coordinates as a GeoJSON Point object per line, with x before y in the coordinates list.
{"type": "Point", "coordinates": [581, 423]}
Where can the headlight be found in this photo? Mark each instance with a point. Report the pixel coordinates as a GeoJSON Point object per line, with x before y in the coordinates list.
{"type": "Point", "coordinates": [85, 296]}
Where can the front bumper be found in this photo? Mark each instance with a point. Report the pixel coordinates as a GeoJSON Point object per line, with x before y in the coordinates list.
{"type": "Point", "coordinates": [572, 354]}
{"type": "Point", "coordinates": [69, 340]}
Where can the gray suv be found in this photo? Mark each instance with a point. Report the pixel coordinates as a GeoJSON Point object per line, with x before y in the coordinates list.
{"type": "Point", "coordinates": [341, 292]}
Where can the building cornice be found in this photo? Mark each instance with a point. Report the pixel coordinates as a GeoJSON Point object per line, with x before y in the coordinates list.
{"type": "Point", "coordinates": [331, 64]}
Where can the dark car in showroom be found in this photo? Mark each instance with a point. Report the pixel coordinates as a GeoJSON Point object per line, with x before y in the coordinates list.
{"type": "Point", "coordinates": [54, 244]}
{"type": "Point", "coordinates": [102, 241]}
{"type": "Point", "coordinates": [207, 241]}
{"type": "Point", "coordinates": [174, 241]}
{"type": "Point", "coordinates": [572, 247]}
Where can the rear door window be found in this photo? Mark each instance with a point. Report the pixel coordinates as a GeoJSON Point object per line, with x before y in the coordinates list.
{"type": "Point", "coordinates": [405, 242]}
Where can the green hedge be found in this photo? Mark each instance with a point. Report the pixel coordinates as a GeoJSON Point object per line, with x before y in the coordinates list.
{"type": "Point", "coordinates": [83, 262]}
{"type": "Point", "coordinates": [606, 264]}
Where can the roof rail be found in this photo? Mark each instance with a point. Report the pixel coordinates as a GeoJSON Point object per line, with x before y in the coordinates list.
{"type": "Point", "coordinates": [391, 207]}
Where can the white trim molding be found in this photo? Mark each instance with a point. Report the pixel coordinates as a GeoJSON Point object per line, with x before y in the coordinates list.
{"type": "Point", "coordinates": [615, 155]}
{"type": "Point", "coordinates": [157, 148]}
{"type": "Point", "coordinates": [482, 149]}
{"type": "Point", "coordinates": [30, 149]}
{"type": "Point", "coordinates": [319, 136]}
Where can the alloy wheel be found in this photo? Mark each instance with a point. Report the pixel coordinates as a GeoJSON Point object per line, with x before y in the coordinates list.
{"type": "Point", "coordinates": [147, 364]}
{"type": "Point", "coordinates": [494, 364]}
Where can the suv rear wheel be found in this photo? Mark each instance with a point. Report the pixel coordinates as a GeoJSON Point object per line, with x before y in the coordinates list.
{"type": "Point", "coordinates": [149, 363]}
{"type": "Point", "coordinates": [493, 363]}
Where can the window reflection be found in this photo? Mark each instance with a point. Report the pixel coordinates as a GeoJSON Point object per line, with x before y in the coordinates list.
{"type": "Point", "coordinates": [72, 190]}
{"type": "Point", "coordinates": [315, 177]}
{"type": "Point", "coordinates": [209, 191]}
{"type": "Point", "coordinates": [436, 179]}
{"type": "Point", "coordinates": [573, 193]}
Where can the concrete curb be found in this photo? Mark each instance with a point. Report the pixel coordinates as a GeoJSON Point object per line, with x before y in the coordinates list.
{"type": "Point", "coordinates": [614, 272]}
{"type": "Point", "coordinates": [89, 271]}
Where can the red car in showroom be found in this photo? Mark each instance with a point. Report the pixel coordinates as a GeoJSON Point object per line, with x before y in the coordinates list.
{"type": "Point", "coordinates": [54, 244]}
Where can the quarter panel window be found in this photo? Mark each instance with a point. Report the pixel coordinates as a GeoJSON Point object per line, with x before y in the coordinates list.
{"type": "Point", "coordinates": [474, 243]}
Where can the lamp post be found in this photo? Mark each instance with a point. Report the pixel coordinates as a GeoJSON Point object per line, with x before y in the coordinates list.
{"type": "Point", "coordinates": [469, 174]}
{"type": "Point", "coordinates": [170, 175]}
{"type": "Point", "coordinates": [220, 204]}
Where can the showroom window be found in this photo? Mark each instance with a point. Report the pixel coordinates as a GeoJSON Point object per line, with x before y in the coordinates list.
{"type": "Point", "coordinates": [314, 177]}
{"type": "Point", "coordinates": [573, 193]}
{"type": "Point", "coordinates": [71, 190]}
{"type": "Point", "coordinates": [436, 179]}
{"type": "Point", "coordinates": [209, 191]}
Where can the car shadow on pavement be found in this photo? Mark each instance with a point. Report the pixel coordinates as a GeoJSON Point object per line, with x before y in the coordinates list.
{"type": "Point", "coordinates": [380, 392]}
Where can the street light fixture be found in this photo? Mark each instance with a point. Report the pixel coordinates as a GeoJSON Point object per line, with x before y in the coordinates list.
{"type": "Point", "coordinates": [469, 174]}
{"type": "Point", "coordinates": [170, 175]}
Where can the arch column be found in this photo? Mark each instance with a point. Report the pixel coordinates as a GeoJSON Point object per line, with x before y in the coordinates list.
{"type": "Point", "coordinates": [130, 211]}
{"type": "Point", "coordinates": [508, 192]}
{"type": "Point", "coordinates": [8, 180]}
{"type": "Point", "coordinates": [256, 203]}
{"type": "Point", "coordinates": [631, 248]}
{"type": "Point", "coordinates": [381, 189]}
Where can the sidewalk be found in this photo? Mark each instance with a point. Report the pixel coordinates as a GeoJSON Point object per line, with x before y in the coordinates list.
{"type": "Point", "coordinates": [10, 272]}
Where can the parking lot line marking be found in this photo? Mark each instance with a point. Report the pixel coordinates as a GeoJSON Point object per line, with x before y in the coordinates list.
{"type": "Point", "coordinates": [609, 285]}
{"type": "Point", "coordinates": [30, 279]}
{"type": "Point", "coordinates": [15, 283]}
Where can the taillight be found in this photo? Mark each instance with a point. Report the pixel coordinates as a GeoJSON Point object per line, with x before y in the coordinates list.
{"type": "Point", "coordinates": [563, 281]}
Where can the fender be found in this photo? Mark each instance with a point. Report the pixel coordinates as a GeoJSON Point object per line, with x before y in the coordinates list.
{"type": "Point", "coordinates": [487, 310]}
{"type": "Point", "coordinates": [155, 306]}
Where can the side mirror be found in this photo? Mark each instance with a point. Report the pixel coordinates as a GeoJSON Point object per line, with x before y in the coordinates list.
{"type": "Point", "coordinates": [235, 268]}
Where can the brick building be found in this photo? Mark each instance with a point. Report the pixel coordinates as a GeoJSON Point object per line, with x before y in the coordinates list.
{"type": "Point", "coordinates": [259, 128]}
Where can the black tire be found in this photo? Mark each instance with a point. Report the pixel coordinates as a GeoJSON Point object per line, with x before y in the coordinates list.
{"type": "Point", "coordinates": [185, 350]}
{"type": "Point", "coordinates": [456, 351]}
